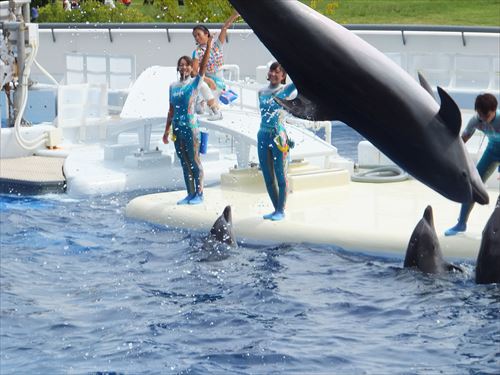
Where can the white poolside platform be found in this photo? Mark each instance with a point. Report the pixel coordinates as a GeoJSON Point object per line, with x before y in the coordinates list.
{"type": "Point", "coordinates": [32, 175]}
{"type": "Point", "coordinates": [367, 217]}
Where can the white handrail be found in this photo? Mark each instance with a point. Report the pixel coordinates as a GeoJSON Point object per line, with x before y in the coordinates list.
{"type": "Point", "coordinates": [242, 103]}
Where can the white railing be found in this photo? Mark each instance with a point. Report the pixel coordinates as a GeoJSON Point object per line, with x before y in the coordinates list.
{"type": "Point", "coordinates": [248, 100]}
{"type": "Point", "coordinates": [457, 58]}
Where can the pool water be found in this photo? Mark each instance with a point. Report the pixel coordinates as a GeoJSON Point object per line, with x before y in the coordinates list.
{"type": "Point", "coordinates": [85, 290]}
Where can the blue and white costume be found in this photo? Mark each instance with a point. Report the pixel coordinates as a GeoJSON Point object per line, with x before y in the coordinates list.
{"type": "Point", "coordinates": [486, 165]}
{"type": "Point", "coordinates": [215, 62]}
{"type": "Point", "coordinates": [273, 161]}
{"type": "Point", "coordinates": [185, 130]}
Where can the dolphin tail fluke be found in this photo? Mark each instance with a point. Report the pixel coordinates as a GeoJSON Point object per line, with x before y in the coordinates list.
{"type": "Point", "coordinates": [425, 85]}
{"type": "Point", "coordinates": [449, 112]}
{"type": "Point", "coordinates": [303, 108]}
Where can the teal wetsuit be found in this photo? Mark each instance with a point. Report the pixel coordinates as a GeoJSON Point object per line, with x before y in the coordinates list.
{"type": "Point", "coordinates": [185, 130]}
{"type": "Point", "coordinates": [486, 165]}
{"type": "Point", "coordinates": [273, 160]}
{"type": "Point", "coordinates": [491, 157]}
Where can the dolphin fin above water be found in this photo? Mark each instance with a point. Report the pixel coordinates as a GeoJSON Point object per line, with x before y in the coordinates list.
{"type": "Point", "coordinates": [488, 258]}
{"type": "Point", "coordinates": [221, 239]}
{"type": "Point", "coordinates": [341, 77]}
{"type": "Point", "coordinates": [424, 251]}
{"type": "Point", "coordinates": [222, 230]}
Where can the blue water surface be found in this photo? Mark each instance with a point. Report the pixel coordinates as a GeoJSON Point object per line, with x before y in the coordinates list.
{"type": "Point", "coordinates": [85, 290]}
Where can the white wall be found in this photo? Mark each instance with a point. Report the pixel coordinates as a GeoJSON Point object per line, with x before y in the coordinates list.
{"type": "Point", "coordinates": [441, 56]}
{"type": "Point", "coordinates": [150, 47]}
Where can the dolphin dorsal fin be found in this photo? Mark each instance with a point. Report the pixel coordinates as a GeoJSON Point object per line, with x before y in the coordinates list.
{"type": "Point", "coordinates": [303, 108]}
{"type": "Point", "coordinates": [428, 216]}
{"type": "Point", "coordinates": [227, 214]}
{"type": "Point", "coordinates": [425, 85]}
{"type": "Point", "coordinates": [449, 112]}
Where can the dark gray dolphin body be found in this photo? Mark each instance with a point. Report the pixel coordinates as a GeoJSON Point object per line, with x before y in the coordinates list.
{"type": "Point", "coordinates": [341, 77]}
{"type": "Point", "coordinates": [220, 239]}
{"type": "Point", "coordinates": [424, 251]}
{"type": "Point", "coordinates": [222, 230]}
{"type": "Point", "coordinates": [488, 259]}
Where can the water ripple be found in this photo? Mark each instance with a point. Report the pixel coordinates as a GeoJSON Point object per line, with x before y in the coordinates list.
{"type": "Point", "coordinates": [84, 290]}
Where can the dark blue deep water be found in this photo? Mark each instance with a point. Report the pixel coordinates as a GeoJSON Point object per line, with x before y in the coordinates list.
{"type": "Point", "coordinates": [86, 291]}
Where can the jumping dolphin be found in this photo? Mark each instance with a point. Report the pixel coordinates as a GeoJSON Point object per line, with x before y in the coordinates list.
{"type": "Point", "coordinates": [488, 259]}
{"type": "Point", "coordinates": [341, 77]}
{"type": "Point", "coordinates": [423, 250]}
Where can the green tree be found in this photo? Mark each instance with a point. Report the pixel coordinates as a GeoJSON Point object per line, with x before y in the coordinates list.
{"type": "Point", "coordinates": [41, 3]}
{"type": "Point", "coordinates": [91, 11]}
{"type": "Point", "coordinates": [330, 8]}
{"type": "Point", "coordinates": [203, 11]}
{"type": "Point", "coordinates": [167, 11]}
{"type": "Point", "coordinates": [326, 7]}
{"type": "Point", "coordinates": [206, 11]}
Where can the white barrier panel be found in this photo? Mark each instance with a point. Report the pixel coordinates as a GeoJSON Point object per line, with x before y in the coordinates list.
{"type": "Point", "coordinates": [455, 60]}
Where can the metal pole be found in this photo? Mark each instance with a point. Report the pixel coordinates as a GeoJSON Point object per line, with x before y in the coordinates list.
{"type": "Point", "coordinates": [21, 58]}
{"type": "Point", "coordinates": [26, 12]}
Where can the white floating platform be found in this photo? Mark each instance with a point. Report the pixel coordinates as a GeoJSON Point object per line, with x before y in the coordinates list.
{"type": "Point", "coordinates": [366, 217]}
{"type": "Point", "coordinates": [32, 175]}
{"type": "Point", "coordinates": [88, 173]}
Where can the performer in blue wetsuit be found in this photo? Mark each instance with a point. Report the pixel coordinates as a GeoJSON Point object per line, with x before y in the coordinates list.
{"type": "Point", "coordinates": [272, 142]}
{"type": "Point", "coordinates": [487, 120]}
{"type": "Point", "coordinates": [185, 131]}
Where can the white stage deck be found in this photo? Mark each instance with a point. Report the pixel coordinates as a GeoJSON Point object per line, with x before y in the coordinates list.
{"type": "Point", "coordinates": [364, 217]}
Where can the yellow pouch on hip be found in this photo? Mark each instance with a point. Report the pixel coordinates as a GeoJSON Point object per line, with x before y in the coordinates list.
{"type": "Point", "coordinates": [281, 140]}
